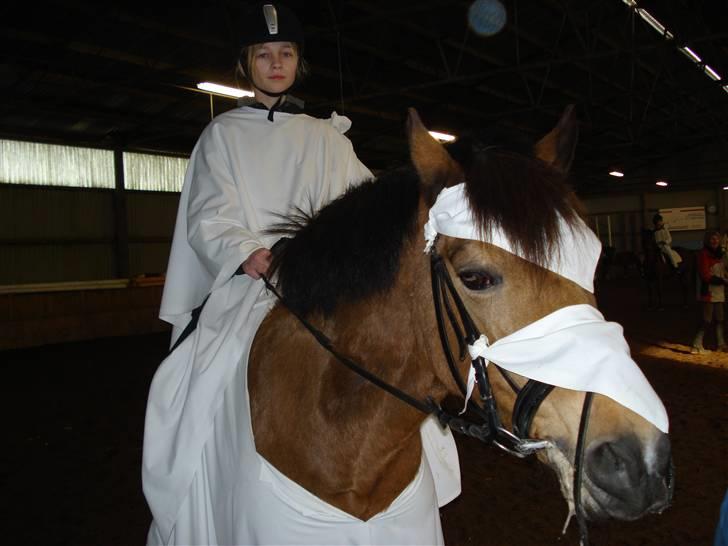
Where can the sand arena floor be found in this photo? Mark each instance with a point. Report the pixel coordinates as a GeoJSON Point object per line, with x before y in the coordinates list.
{"type": "Point", "coordinates": [74, 420]}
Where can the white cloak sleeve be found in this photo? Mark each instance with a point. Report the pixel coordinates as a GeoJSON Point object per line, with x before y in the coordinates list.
{"type": "Point", "coordinates": [216, 225]}
{"type": "Point", "coordinates": [355, 172]}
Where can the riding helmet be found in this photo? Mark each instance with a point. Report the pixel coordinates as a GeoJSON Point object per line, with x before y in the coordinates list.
{"type": "Point", "coordinates": [270, 22]}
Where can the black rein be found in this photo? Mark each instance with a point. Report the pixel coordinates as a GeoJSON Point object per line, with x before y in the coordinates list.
{"type": "Point", "coordinates": [490, 430]}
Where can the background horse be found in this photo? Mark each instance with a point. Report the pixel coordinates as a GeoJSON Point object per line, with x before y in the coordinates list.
{"type": "Point", "coordinates": [657, 272]}
{"type": "Point", "coordinates": [615, 264]}
{"type": "Point", "coordinates": [358, 272]}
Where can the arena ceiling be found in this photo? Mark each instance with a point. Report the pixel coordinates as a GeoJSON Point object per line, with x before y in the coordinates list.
{"type": "Point", "coordinates": [120, 74]}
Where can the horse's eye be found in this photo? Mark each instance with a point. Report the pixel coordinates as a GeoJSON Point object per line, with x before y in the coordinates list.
{"type": "Point", "coordinates": [477, 280]}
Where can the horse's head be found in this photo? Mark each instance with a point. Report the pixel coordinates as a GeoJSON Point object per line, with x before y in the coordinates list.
{"type": "Point", "coordinates": [524, 197]}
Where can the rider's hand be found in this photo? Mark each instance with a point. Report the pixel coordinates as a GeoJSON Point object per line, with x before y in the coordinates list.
{"type": "Point", "coordinates": [257, 263]}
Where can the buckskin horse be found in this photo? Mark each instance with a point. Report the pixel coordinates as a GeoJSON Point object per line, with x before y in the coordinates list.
{"type": "Point", "coordinates": [356, 276]}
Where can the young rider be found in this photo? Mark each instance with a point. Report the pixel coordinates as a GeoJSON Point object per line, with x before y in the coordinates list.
{"type": "Point", "coordinates": [251, 164]}
{"type": "Point", "coordinates": [664, 241]}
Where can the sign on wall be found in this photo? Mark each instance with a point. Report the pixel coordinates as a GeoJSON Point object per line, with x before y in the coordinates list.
{"type": "Point", "coordinates": [684, 219]}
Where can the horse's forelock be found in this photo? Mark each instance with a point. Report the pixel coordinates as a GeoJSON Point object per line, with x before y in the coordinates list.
{"type": "Point", "coordinates": [524, 197]}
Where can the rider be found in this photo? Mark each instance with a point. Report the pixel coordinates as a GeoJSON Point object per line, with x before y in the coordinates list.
{"type": "Point", "coordinates": [263, 158]}
{"type": "Point", "coordinates": [664, 240]}
{"type": "Point", "coordinates": [251, 164]}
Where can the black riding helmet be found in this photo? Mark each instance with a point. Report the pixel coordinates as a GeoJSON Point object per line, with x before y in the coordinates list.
{"type": "Point", "coordinates": [269, 22]}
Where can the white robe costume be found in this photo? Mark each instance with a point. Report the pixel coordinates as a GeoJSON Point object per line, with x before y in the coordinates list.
{"type": "Point", "coordinates": [664, 241]}
{"type": "Point", "coordinates": [203, 480]}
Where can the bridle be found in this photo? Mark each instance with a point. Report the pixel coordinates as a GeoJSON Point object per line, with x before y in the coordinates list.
{"type": "Point", "coordinates": [490, 430]}
{"type": "Point", "coordinates": [528, 397]}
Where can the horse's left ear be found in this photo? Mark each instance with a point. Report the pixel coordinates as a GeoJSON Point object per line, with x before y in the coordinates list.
{"type": "Point", "coordinates": [436, 168]}
{"type": "Point", "coordinates": [557, 147]}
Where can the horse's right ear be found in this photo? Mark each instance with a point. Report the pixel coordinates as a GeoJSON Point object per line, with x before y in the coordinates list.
{"type": "Point", "coordinates": [557, 148]}
{"type": "Point", "coordinates": [436, 168]}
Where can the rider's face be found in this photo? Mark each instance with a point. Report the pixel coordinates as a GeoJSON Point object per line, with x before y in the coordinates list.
{"type": "Point", "coordinates": [274, 66]}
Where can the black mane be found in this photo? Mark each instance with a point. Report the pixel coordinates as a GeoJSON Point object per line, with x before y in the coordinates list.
{"type": "Point", "coordinates": [350, 249]}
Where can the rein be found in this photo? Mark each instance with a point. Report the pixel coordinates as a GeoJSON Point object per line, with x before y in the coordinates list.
{"type": "Point", "coordinates": [490, 430]}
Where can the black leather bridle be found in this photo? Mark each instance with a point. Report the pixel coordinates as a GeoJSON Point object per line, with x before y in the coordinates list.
{"type": "Point", "coordinates": [528, 397]}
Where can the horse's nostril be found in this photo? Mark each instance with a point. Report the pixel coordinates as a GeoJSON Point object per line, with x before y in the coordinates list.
{"type": "Point", "coordinates": [629, 481]}
{"type": "Point", "coordinates": [616, 467]}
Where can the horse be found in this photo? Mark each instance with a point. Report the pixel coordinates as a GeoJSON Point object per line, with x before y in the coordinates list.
{"type": "Point", "coordinates": [355, 274]}
{"type": "Point", "coordinates": [618, 264]}
{"type": "Point", "coordinates": [656, 271]}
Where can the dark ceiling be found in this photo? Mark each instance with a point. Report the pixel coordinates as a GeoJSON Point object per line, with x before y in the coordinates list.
{"type": "Point", "coordinates": [119, 73]}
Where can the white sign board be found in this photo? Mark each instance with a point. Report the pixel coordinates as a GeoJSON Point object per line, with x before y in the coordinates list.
{"type": "Point", "coordinates": [684, 219]}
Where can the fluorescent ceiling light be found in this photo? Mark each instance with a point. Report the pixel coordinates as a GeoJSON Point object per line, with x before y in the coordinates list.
{"type": "Point", "coordinates": [712, 74]}
{"type": "Point", "coordinates": [661, 183]}
{"type": "Point", "coordinates": [659, 27]}
{"type": "Point", "coordinates": [725, 187]}
{"type": "Point", "coordinates": [217, 89]}
{"type": "Point", "coordinates": [690, 54]}
{"type": "Point", "coordinates": [618, 174]}
{"type": "Point", "coordinates": [442, 137]}
{"type": "Point", "coordinates": [654, 23]}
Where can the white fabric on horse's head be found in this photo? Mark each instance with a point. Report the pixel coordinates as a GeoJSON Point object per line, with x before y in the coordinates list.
{"type": "Point", "coordinates": [575, 348]}
{"type": "Point", "coordinates": [575, 257]}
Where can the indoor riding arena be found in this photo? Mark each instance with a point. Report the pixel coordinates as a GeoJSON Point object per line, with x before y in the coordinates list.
{"type": "Point", "coordinates": [101, 111]}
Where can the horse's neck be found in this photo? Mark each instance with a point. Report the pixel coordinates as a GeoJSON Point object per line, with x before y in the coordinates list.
{"type": "Point", "coordinates": [344, 439]}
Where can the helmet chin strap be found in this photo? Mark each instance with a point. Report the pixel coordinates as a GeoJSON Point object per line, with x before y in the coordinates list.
{"type": "Point", "coordinates": [280, 96]}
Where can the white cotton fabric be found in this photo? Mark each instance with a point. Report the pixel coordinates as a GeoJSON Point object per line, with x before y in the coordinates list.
{"type": "Point", "coordinates": [573, 347]}
{"type": "Point", "coordinates": [202, 478]}
{"type": "Point", "coordinates": [575, 258]}
{"type": "Point", "coordinates": [245, 168]}
{"type": "Point", "coordinates": [237, 497]}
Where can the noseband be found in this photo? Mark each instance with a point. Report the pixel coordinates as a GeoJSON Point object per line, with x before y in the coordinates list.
{"type": "Point", "coordinates": [490, 428]}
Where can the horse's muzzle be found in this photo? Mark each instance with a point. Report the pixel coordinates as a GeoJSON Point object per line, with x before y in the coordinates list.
{"type": "Point", "coordinates": [627, 480]}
